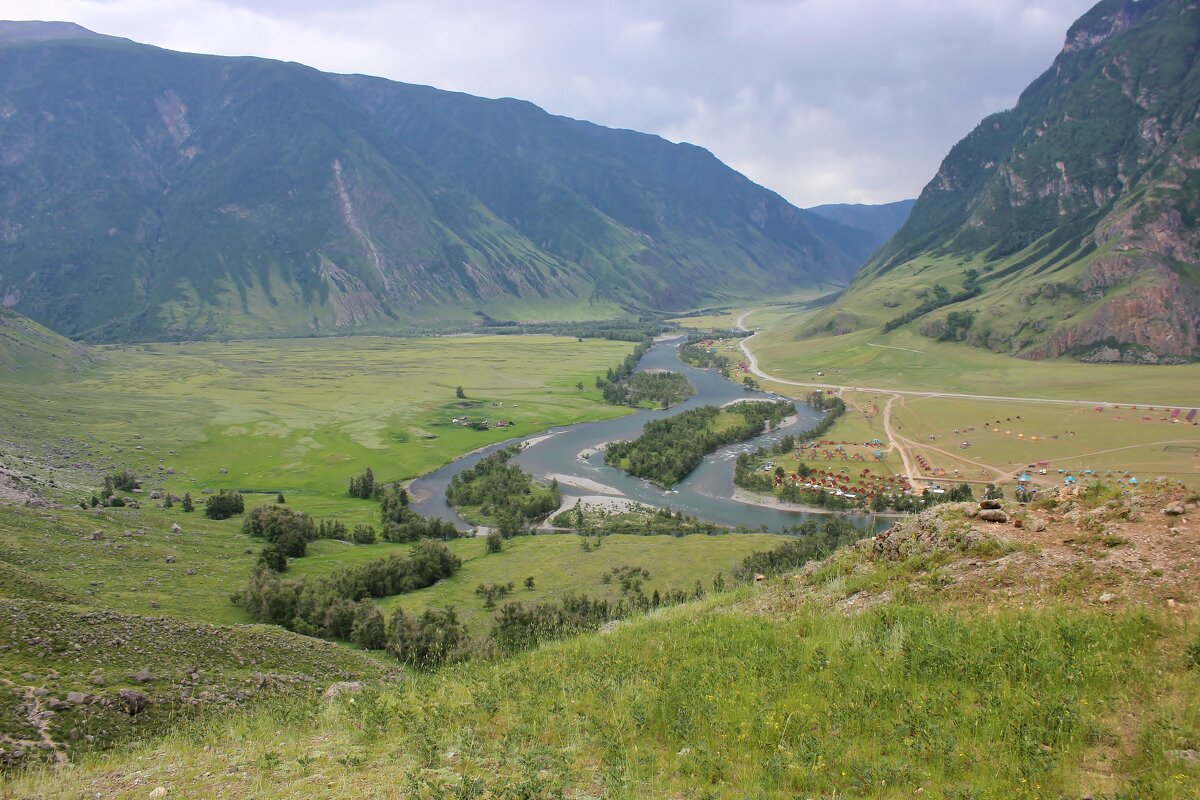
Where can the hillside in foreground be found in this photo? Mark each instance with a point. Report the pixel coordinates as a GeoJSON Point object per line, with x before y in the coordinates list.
{"type": "Point", "coordinates": [1050, 655]}
{"type": "Point", "coordinates": [1067, 225]}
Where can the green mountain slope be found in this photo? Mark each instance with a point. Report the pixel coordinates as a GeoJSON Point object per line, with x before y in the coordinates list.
{"type": "Point", "coordinates": [148, 194]}
{"type": "Point", "coordinates": [30, 350]}
{"type": "Point", "coordinates": [1076, 209]}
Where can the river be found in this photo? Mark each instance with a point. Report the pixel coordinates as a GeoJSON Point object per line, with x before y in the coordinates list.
{"type": "Point", "coordinates": [706, 493]}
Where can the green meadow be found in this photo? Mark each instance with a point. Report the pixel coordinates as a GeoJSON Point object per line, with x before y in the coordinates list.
{"type": "Point", "coordinates": [300, 416]}
{"type": "Point", "coordinates": [557, 564]}
{"type": "Point", "coordinates": [906, 360]}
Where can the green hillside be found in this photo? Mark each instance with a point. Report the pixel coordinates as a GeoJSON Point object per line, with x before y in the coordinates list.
{"type": "Point", "coordinates": [942, 661]}
{"type": "Point", "coordinates": [31, 352]}
{"type": "Point", "coordinates": [170, 195]}
{"type": "Point", "coordinates": [1066, 225]}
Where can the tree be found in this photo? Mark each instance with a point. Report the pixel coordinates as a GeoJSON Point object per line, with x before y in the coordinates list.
{"type": "Point", "coordinates": [370, 630]}
{"type": "Point", "coordinates": [187, 502]}
{"type": "Point", "coordinates": [280, 499]}
{"type": "Point", "coordinates": [167, 501]}
{"type": "Point", "coordinates": [363, 534]}
{"type": "Point", "coordinates": [224, 504]}
{"type": "Point", "coordinates": [459, 393]}
{"type": "Point", "coordinates": [273, 558]}
{"type": "Point", "coordinates": [428, 641]}
{"type": "Point", "coordinates": [363, 486]}
{"type": "Point", "coordinates": [529, 582]}
{"type": "Point", "coordinates": [579, 386]}
{"type": "Point", "coordinates": [494, 542]}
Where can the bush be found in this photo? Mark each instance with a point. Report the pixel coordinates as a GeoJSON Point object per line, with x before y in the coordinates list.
{"type": "Point", "coordinates": [428, 641]}
{"type": "Point", "coordinates": [223, 505]}
{"type": "Point", "coordinates": [364, 534]}
{"type": "Point", "coordinates": [494, 542]}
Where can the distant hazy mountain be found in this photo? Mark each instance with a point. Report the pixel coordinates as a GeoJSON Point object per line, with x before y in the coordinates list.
{"type": "Point", "coordinates": [146, 193]}
{"type": "Point", "coordinates": [1077, 210]}
{"type": "Point", "coordinates": [880, 222]}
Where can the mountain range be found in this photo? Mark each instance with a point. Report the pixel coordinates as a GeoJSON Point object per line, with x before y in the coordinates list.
{"type": "Point", "coordinates": [151, 194]}
{"type": "Point", "coordinates": [1066, 226]}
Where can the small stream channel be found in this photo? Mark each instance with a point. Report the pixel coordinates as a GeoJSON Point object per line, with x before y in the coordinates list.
{"type": "Point", "coordinates": [706, 493]}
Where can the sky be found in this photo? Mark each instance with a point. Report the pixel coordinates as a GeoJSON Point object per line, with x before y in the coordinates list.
{"type": "Point", "coordinates": [823, 101]}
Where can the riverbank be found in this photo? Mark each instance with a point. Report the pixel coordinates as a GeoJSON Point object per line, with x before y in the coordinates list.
{"type": "Point", "coordinates": [749, 498]}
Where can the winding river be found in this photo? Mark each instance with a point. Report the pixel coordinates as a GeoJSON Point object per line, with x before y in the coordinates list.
{"type": "Point", "coordinates": [706, 493]}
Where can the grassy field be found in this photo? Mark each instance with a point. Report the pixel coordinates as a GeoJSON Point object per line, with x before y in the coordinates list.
{"type": "Point", "coordinates": [557, 564]}
{"type": "Point", "coordinates": [907, 360]}
{"type": "Point", "coordinates": [715, 700]}
{"type": "Point", "coordinates": [301, 416]}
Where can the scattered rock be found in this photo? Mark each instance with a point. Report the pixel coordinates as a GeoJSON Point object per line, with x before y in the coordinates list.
{"type": "Point", "coordinates": [1107, 598]}
{"type": "Point", "coordinates": [993, 515]}
{"type": "Point", "coordinates": [1037, 524]}
{"type": "Point", "coordinates": [143, 676]}
{"type": "Point", "coordinates": [1173, 509]}
{"type": "Point", "coordinates": [1189, 755]}
{"type": "Point", "coordinates": [158, 792]}
{"type": "Point", "coordinates": [175, 528]}
{"type": "Point", "coordinates": [131, 702]}
{"type": "Point", "coordinates": [169, 559]}
{"type": "Point", "coordinates": [990, 504]}
{"type": "Point", "coordinates": [342, 688]}
{"type": "Point", "coordinates": [97, 536]}
{"type": "Point", "coordinates": [77, 698]}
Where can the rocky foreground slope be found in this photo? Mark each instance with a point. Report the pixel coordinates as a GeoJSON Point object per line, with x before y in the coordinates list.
{"type": "Point", "coordinates": [1049, 654]}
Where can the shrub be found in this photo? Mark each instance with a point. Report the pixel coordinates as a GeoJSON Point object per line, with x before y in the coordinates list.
{"type": "Point", "coordinates": [223, 505]}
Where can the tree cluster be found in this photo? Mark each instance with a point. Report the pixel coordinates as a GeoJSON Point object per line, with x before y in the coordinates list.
{"type": "Point", "coordinates": [363, 486]}
{"type": "Point", "coordinates": [333, 606]}
{"type": "Point", "coordinates": [402, 524]}
{"type": "Point", "coordinates": [697, 355]}
{"type": "Point", "coordinates": [669, 449]}
{"type": "Point", "coordinates": [810, 544]}
{"type": "Point", "coordinates": [660, 388]}
{"type": "Point", "coordinates": [224, 504]}
{"type": "Point", "coordinates": [503, 491]}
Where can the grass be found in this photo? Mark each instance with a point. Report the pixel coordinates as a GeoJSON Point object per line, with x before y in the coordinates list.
{"type": "Point", "coordinates": [557, 564]}
{"type": "Point", "coordinates": [63, 649]}
{"type": "Point", "coordinates": [699, 702]}
{"type": "Point", "coordinates": [913, 362]}
{"type": "Point", "coordinates": [302, 415]}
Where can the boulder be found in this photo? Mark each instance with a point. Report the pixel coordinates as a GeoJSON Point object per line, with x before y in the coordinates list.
{"type": "Point", "coordinates": [343, 688]}
{"type": "Point", "coordinates": [131, 702]}
{"type": "Point", "coordinates": [175, 528]}
{"type": "Point", "coordinates": [990, 504]}
{"type": "Point", "coordinates": [142, 676]}
{"type": "Point", "coordinates": [1173, 509]}
{"type": "Point", "coordinates": [993, 515]}
{"type": "Point", "coordinates": [77, 698]}
{"type": "Point", "coordinates": [1037, 524]}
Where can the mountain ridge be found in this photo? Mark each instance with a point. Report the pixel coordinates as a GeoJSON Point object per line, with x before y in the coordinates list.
{"type": "Point", "coordinates": [1068, 221]}
{"type": "Point", "coordinates": [182, 196]}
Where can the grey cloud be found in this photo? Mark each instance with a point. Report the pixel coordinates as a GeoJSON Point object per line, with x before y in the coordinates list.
{"type": "Point", "coordinates": [821, 100]}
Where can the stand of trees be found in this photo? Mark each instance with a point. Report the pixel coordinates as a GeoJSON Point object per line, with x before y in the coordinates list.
{"type": "Point", "coordinates": [669, 449]}
{"type": "Point", "coordinates": [698, 356]}
{"type": "Point", "coordinates": [337, 606]}
{"type": "Point", "coordinates": [503, 491]}
{"type": "Point", "coordinates": [810, 544]}
{"type": "Point", "coordinates": [660, 388]}
{"type": "Point", "coordinates": [939, 296]}
{"type": "Point", "coordinates": [224, 504]}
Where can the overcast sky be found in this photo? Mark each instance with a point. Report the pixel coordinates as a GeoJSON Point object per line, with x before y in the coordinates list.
{"type": "Point", "coordinates": [821, 100]}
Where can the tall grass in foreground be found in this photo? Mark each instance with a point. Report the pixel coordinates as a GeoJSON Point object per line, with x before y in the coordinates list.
{"type": "Point", "coordinates": [959, 705]}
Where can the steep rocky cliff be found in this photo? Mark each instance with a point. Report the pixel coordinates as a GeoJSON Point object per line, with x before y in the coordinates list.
{"type": "Point", "coordinates": [1077, 209]}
